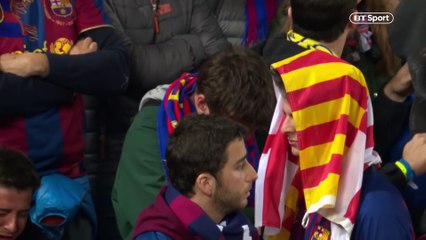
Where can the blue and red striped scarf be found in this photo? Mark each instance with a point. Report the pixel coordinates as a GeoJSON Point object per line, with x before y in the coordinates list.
{"type": "Point", "coordinates": [259, 15]}
{"type": "Point", "coordinates": [176, 216]}
{"type": "Point", "coordinates": [198, 223]}
{"type": "Point", "coordinates": [177, 104]}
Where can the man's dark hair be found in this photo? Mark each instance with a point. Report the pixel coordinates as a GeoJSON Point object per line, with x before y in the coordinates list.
{"type": "Point", "coordinates": [321, 20]}
{"type": "Point", "coordinates": [238, 83]}
{"type": "Point", "coordinates": [198, 145]}
{"type": "Point", "coordinates": [17, 171]}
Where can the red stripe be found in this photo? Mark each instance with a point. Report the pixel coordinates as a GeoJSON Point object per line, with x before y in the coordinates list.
{"type": "Point", "coordinates": [13, 134]}
{"type": "Point", "coordinates": [251, 26]}
{"type": "Point", "coordinates": [334, 89]}
{"type": "Point", "coordinates": [72, 126]}
{"type": "Point", "coordinates": [185, 211]}
{"type": "Point", "coordinates": [89, 14]}
{"type": "Point", "coordinates": [288, 223]}
{"type": "Point", "coordinates": [274, 180]}
{"type": "Point", "coordinates": [323, 133]}
{"type": "Point", "coordinates": [352, 210]}
{"type": "Point", "coordinates": [271, 7]}
{"type": "Point", "coordinates": [312, 177]}
{"type": "Point", "coordinates": [186, 107]}
{"type": "Point", "coordinates": [311, 59]}
{"type": "Point", "coordinates": [271, 137]}
{"type": "Point", "coordinates": [370, 137]}
{"type": "Point", "coordinates": [9, 17]}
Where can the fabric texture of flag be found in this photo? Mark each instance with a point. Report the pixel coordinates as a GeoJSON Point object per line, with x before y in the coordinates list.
{"type": "Point", "coordinates": [334, 125]}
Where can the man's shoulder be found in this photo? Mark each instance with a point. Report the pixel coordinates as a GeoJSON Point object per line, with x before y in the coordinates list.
{"type": "Point", "coordinates": [278, 48]}
{"type": "Point", "coordinates": [320, 61]}
{"type": "Point", "coordinates": [154, 96]}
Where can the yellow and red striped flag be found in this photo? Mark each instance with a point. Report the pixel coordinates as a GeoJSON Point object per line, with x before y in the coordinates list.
{"type": "Point", "coordinates": [334, 123]}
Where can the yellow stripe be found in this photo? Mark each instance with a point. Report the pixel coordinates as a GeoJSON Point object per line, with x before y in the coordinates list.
{"type": "Point", "coordinates": [284, 234]}
{"type": "Point", "coordinates": [174, 96]}
{"type": "Point", "coordinates": [329, 111]}
{"type": "Point", "coordinates": [401, 167]}
{"type": "Point", "coordinates": [291, 200]}
{"type": "Point", "coordinates": [320, 73]}
{"type": "Point", "coordinates": [291, 59]}
{"type": "Point", "coordinates": [327, 187]}
{"type": "Point", "coordinates": [319, 155]}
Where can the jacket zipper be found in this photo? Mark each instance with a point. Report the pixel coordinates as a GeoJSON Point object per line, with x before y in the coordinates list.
{"type": "Point", "coordinates": [155, 14]}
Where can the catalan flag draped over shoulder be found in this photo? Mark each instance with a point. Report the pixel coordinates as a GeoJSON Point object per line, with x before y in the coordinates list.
{"type": "Point", "coordinates": [334, 123]}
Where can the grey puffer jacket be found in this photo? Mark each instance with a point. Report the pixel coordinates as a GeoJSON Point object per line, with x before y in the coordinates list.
{"type": "Point", "coordinates": [187, 33]}
{"type": "Point", "coordinates": [232, 19]}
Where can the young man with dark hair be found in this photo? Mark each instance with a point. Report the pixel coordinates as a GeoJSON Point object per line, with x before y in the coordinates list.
{"type": "Point", "coordinates": [235, 83]}
{"type": "Point", "coordinates": [210, 180]}
{"type": "Point", "coordinates": [318, 177]}
{"type": "Point", "coordinates": [18, 181]}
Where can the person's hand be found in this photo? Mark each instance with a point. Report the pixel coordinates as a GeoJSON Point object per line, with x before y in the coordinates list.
{"type": "Point", "coordinates": [83, 46]}
{"type": "Point", "coordinates": [25, 64]}
{"type": "Point", "coordinates": [400, 87]}
{"type": "Point", "coordinates": [415, 153]}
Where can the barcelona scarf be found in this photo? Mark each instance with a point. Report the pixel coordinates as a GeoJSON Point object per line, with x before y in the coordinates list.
{"type": "Point", "coordinates": [332, 114]}
{"type": "Point", "coordinates": [198, 223]}
{"type": "Point", "coordinates": [14, 28]}
{"type": "Point", "coordinates": [259, 15]}
{"type": "Point", "coordinates": [176, 105]}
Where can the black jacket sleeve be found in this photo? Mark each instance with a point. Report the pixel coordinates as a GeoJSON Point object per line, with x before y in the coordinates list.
{"type": "Point", "coordinates": [102, 72]}
{"type": "Point", "coordinates": [26, 96]}
{"type": "Point", "coordinates": [389, 119]}
{"type": "Point", "coordinates": [395, 175]}
{"type": "Point", "coordinates": [99, 73]}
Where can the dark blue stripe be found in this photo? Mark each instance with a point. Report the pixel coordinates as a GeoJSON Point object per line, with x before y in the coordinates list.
{"type": "Point", "coordinates": [171, 194]}
{"type": "Point", "coordinates": [45, 141]}
{"type": "Point", "coordinates": [32, 19]}
{"type": "Point", "coordinates": [6, 6]}
{"type": "Point", "coordinates": [204, 227]}
{"type": "Point", "coordinates": [262, 20]}
{"type": "Point", "coordinates": [10, 29]}
{"type": "Point", "coordinates": [312, 223]}
{"type": "Point", "coordinates": [100, 6]}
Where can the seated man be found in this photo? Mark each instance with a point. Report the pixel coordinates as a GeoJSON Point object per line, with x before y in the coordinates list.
{"type": "Point", "coordinates": [235, 83]}
{"type": "Point", "coordinates": [210, 180]}
{"type": "Point", "coordinates": [18, 181]}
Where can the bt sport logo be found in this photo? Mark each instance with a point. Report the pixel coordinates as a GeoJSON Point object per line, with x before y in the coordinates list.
{"type": "Point", "coordinates": [371, 18]}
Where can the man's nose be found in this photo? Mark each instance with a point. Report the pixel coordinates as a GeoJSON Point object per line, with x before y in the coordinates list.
{"type": "Point", "coordinates": [252, 175]}
{"type": "Point", "coordinates": [286, 126]}
{"type": "Point", "coordinates": [11, 224]}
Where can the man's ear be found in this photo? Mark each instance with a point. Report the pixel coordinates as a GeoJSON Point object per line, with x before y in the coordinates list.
{"type": "Point", "coordinates": [351, 26]}
{"type": "Point", "coordinates": [200, 104]}
{"type": "Point", "coordinates": [205, 184]}
{"type": "Point", "coordinates": [289, 12]}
